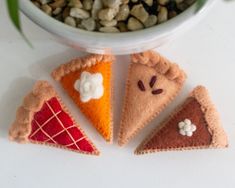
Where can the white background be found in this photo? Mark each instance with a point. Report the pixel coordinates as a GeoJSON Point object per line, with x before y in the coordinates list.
{"type": "Point", "coordinates": [206, 52]}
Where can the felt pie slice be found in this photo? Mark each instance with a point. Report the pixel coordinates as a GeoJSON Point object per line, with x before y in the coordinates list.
{"type": "Point", "coordinates": [87, 81]}
{"type": "Point", "coordinates": [194, 125]}
{"type": "Point", "coordinates": [152, 83]}
{"type": "Point", "coordinates": [43, 119]}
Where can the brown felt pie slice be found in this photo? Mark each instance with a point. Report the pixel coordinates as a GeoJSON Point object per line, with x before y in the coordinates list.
{"type": "Point", "coordinates": [43, 119]}
{"type": "Point", "coordinates": [153, 82]}
{"type": "Point", "coordinates": [87, 80]}
{"type": "Point", "coordinates": [194, 125]}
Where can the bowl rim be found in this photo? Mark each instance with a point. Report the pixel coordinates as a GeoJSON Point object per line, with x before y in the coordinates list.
{"type": "Point", "coordinates": [105, 40]}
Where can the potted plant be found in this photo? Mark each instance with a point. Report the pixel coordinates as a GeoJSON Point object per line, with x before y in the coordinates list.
{"type": "Point", "coordinates": [85, 40]}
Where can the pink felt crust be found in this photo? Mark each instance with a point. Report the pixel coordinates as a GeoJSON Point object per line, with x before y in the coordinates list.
{"type": "Point", "coordinates": [83, 62]}
{"type": "Point", "coordinates": [219, 137]}
{"type": "Point", "coordinates": [169, 76]}
{"type": "Point", "coordinates": [21, 127]}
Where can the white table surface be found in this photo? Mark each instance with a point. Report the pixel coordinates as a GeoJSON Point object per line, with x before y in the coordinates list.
{"type": "Point", "coordinates": [206, 52]}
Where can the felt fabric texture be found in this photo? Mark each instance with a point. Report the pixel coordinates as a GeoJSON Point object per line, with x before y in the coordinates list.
{"type": "Point", "coordinates": [54, 126]}
{"type": "Point", "coordinates": [195, 108]}
{"type": "Point", "coordinates": [43, 119]}
{"type": "Point", "coordinates": [149, 90]}
{"type": "Point", "coordinates": [98, 111]}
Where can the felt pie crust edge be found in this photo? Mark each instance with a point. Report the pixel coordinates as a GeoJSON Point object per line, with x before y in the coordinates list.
{"type": "Point", "coordinates": [164, 67]}
{"type": "Point", "coordinates": [87, 61]}
{"type": "Point", "coordinates": [219, 137]}
{"type": "Point", "coordinates": [32, 103]}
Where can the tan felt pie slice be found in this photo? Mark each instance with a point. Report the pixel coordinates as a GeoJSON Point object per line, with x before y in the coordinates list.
{"type": "Point", "coordinates": [87, 80]}
{"type": "Point", "coordinates": [43, 119]}
{"type": "Point", "coordinates": [153, 82]}
{"type": "Point", "coordinates": [194, 125]}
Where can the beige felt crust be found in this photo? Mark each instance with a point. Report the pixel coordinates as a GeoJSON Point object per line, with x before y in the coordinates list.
{"type": "Point", "coordinates": [82, 62]}
{"type": "Point", "coordinates": [21, 128]}
{"type": "Point", "coordinates": [162, 66]}
{"type": "Point", "coordinates": [219, 137]}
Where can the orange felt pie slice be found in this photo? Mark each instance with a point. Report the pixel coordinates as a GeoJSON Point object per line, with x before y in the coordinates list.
{"type": "Point", "coordinates": [87, 80]}
{"type": "Point", "coordinates": [194, 125]}
{"type": "Point", "coordinates": [43, 119]}
{"type": "Point", "coordinates": [153, 82]}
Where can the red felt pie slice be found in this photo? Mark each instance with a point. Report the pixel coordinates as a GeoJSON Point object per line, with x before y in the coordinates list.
{"type": "Point", "coordinates": [194, 125]}
{"type": "Point", "coordinates": [43, 119]}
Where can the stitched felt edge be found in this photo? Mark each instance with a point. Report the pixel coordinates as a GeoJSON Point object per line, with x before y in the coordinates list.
{"type": "Point", "coordinates": [219, 137]}
{"type": "Point", "coordinates": [32, 103]}
{"type": "Point", "coordinates": [144, 58]}
{"type": "Point", "coordinates": [88, 61]}
{"type": "Point", "coordinates": [78, 63]}
{"type": "Point", "coordinates": [161, 64]}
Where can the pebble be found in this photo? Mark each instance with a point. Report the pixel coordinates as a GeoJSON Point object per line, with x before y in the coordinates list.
{"type": "Point", "coordinates": [162, 15]}
{"type": "Point", "coordinates": [123, 13]}
{"type": "Point", "coordinates": [182, 6]}
{"type": "Point", "coordinates": [149, 2]}
{"type": "Point", "coordinates": [172, 14]}
{"type": "Point", "coordinates": [79, 13]}
{"type": "Point", "coordinates": [112, 3]}
{"type": "Point", "coordinates": [70, 21]}
{"type": "Point", "coordinates": [58, 3]}
{"type": "Point", "coordinates": [163, 2]}
{"type": "Point", "coordinates": [109, 30]}
{"type": "Point", "coordinates": [122, 26]}
{"type": "Point", "coordinates": [89, 24]}
{"type": "Point", "coordinates": [47, 9]}
{"type": "Point", "coordinates": [108, 23]}
{"type": "Point", "coordinates": [57, 11]}
{"type": "Point", "coordinates": [152, 20]}
{"type": "Point", "coordinates": [139, 12]}
{"type": "Point", "coordinates": [107, 14]}
{"type": "Point", "coordinates": [97, 6]}
{"type": "Point", "coordinates": [134, 24]}
{"type": "Point", "coordinates": [113, 15]}
{"type": "Point", "coordinates": [87, 4]}
{"type": "Point", "coordinates": [44, 1]}
{"type": "Point", "coordinates": [75, 3]}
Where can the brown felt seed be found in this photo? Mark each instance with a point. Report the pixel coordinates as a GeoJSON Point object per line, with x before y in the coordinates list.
{"type": "Point", "coordinates": [152, 81]}
{"type": "Point", "coordinates": [157, 91]}
{"type": "Point", "coordinates": [141, 85]}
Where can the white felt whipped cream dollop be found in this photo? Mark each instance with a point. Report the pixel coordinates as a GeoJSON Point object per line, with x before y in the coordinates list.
{"type": "Point", "coordinates": [90, 86]}
{"type": "Point", "coordinates": [186, 128]}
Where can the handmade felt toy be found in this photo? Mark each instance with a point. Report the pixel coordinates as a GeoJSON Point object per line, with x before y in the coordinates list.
{"type": "Point", "coordinates": [87, 80]}
{"type": "Point", "coordinates": [43, 119]}
{"type": "Point", "coordinates": [194, 125]}
{"type": "Point", "coordinates": [153, 82]}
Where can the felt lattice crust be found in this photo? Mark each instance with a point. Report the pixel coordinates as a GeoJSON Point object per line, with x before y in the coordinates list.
{"type": "Point", "coordinates": [43, 119]}
{"type": "Point", "coordinates": [98, 111]}
{"type": "Point", "coordinates": [152, 83]}
{"type": "Point", "coordinates": [209, 133]}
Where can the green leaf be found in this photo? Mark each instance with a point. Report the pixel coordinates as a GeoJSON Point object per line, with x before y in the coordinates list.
{"type": "Point", "coordinates": [13, 10]}
{"type": "Point", "coordinates": [200, 3]}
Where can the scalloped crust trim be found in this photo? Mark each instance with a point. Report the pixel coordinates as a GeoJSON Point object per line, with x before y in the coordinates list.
{"type": "Point", "coordinates": [219, 137]}
{"type": "Point", "coordinates": [21, 127]}
{"type": "Point", "coordinates": [162, 65]}
{"type": "Point", "coordinates": [78, 63]}
{"type": "Point", "coordinates": [83, 62]}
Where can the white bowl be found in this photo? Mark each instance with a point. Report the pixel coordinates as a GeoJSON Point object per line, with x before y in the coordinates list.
{"type": "Point", "coordinates": [116, 43]}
